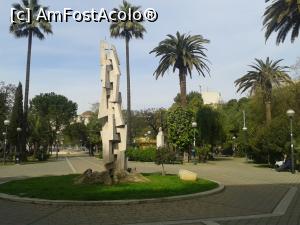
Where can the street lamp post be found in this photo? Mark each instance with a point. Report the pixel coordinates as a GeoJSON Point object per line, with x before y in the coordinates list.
{"type": "Point", "coordinates": [245, 132]}
{"type": "Point", "coordinates": [53, 139]}
{"type": "Point", "coordinates": [244, 117]}
{"type": "Point", "coordinates": [57, 143]}
{"type": "Point", "coordinates": [6, 124]}
{"type": "Point", "coordinates": [80, 144]}
{"type": "Point", "coordinates": [194, 125]}
{"type": "Point", "coordinates": [4, 147]}
{"type": "Point", "coordinates": [233, 144]}
{"type": "Point", "coordinates": [19, 130]}
{"type": "Point", "coordinates": [290, 113]}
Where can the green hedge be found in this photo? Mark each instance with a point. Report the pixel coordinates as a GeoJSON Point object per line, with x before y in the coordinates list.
{"type": "Point", "coordinates": [141, 155]}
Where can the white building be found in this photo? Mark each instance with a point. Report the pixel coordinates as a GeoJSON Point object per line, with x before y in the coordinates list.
{"type": "Point", "coordinates": [211, 98]}
{"type": "Point", "coordinates": [84, 117]}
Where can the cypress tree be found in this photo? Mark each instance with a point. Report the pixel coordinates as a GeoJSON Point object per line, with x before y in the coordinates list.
{"type": "Point", "coordinates": [3, 111]}
{"type": "Point", "coordinates": [17, 121]}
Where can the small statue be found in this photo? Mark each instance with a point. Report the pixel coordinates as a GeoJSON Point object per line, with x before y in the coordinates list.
{"type": "Point", "coordinates": [160, 139]}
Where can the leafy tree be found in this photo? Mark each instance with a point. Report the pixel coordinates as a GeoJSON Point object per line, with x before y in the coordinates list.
{"type": "Point", "coordinates": [127, 30]}
{"type": "Point", "coordinates": [232, 117]}
{"type": "Point", "coordinates": [37, 28]}
{"type": "Point", "coordinates": [282, 17]}
{"type": "Point", "coordinates": [93, 130]}
{"type": "Point", "coordinates": [268, 143]}
{"type": "Point", "coordinates": [49, 113]}
{"type": "Point", "coordinates": [163, 156]}
{"type": "Point", "coordinates": [155, 118]}
{"type": "Point", "coordinates": [149, 119]}
{"type": "Point", "coordinates": [57, 109]}
{"type": "Point", "coordinates": [203, 152]}
{"type": "Point", "coordinates": [194, 101]}
{"type": "Point", "coordinates": [271, 141]}
{"type": "Point", "coordinates": [77, 133]}
{"type": "Point", "coordinates": [139, 124]}
{"type": "Point", "coordinates": [183, 52]}
{"type": "Point", "coordinates": [40, 134]}
{"type": "Point", "coordinates": [8, 93]}
{"type": "Point", "coordinates": [210, 126]}
{"type": "Point", "coordinates": [180, 131]}
{"type": "Point", "coordinates": [263, 77]}
{"type": "Point", "coordinates": [17, 121]}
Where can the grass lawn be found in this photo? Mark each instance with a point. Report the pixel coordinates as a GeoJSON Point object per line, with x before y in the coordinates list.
{"type": "Point", "coordinates": [63, 188]}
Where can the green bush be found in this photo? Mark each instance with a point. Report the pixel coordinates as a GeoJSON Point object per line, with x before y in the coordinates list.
{"type": "Point", "coordinates": [203, 152]}
{"type": "Point", "coordinates": [227, 149]}
{"type": "Point", "coordinates": [180, 131]}
{"type": "Point", "coordinates": [141, 155]}
{"type": "Point", "coordinates": [42, 154]}
{"type": "Point", "coordinates": [271, 142]}
{"type": "Point", "coordinates": [163, 156]}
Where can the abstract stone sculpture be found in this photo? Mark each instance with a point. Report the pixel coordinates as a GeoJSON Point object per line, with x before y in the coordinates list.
{"type": "Point", "coordinates": [114, 130]}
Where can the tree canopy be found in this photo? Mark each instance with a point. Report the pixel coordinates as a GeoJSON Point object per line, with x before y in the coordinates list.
{"type": "Point", "coordinates": [182, 52]}
{"type": "Point", "coordinates": [180, 131]}
{"type": "Point", "coordinates": [57, 109]}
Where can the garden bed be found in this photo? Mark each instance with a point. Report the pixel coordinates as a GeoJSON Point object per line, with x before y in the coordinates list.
{"type": "Point", "coordinates": [63, 188]}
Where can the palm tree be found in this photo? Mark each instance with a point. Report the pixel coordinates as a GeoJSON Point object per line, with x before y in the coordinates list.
{"type": "Point", "coordinates": [263, 77]}
{"type": "Point", "coordinates": [183, 52]}
{"type": "Point", "coordinates": [37, 28]}
{"type": "Point", "coordinates": [127, 30]}
{"type": "Point", "coordinates": [282, 16]}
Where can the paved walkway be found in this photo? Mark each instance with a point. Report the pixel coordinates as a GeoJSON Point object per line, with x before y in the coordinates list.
{"type": "Point", "coordinates": [250, 190]}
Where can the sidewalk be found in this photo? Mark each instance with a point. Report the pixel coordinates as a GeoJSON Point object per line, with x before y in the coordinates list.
{"type": "Point", "coordinates": [249, 191]}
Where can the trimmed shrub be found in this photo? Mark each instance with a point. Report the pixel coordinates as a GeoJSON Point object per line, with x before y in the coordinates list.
{"type": "Point", "coordinates": [203, 153]}
{"type": "Point", "coordinates": [141, 155]}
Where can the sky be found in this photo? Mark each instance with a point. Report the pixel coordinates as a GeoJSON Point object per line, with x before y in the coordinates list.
{"type": "Point", "coordinates": [68, 63]}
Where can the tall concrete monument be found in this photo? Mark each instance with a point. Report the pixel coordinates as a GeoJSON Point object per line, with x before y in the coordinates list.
{"type": "Point", "coordinates": [114, 130]}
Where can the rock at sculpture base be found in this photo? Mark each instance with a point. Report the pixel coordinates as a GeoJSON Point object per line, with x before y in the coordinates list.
{"type": "Point", "coordinates": [119, 177]}
{"type": "Point", "coordinates": [134, 178]}
{"type": "Point", "coordinates": [187, 175]}
{"type": "Point", "coordinates": [90, 177]}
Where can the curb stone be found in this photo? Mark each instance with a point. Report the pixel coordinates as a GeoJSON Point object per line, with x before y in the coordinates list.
{"type": "Point", "coordinates": [15, 198]}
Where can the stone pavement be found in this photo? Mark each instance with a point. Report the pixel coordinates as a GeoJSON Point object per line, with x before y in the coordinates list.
{"type": "Point", "coordinates": [250, 190]}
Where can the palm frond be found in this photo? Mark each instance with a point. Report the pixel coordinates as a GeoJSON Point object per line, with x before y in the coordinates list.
{"type": "Point", "coordinates": [183, 52]}
{"type": "Point", "coordinates": [127, 29]}
{"type": "Point", "coordinates": [264, 75]}
{"type": "Point", "coordinates": [38, 28]}
{"type": "Point", "coordinates": [282, 17]}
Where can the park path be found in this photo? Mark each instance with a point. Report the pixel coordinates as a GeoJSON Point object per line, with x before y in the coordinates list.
{"type": "Point", "coordinates": [250, 190]}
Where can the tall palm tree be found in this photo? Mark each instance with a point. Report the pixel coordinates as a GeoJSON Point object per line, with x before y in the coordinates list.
{"type": "Point", "coordinates": [127, 30]}
{"type": "Point", "coordinates": [263, 77]}
{"type": "Point", "coordinates": [37, 28]}
{"type": "Point", "coordinates": [183, 52]}
{"type": "Point", "coordinates": [282, 16]}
